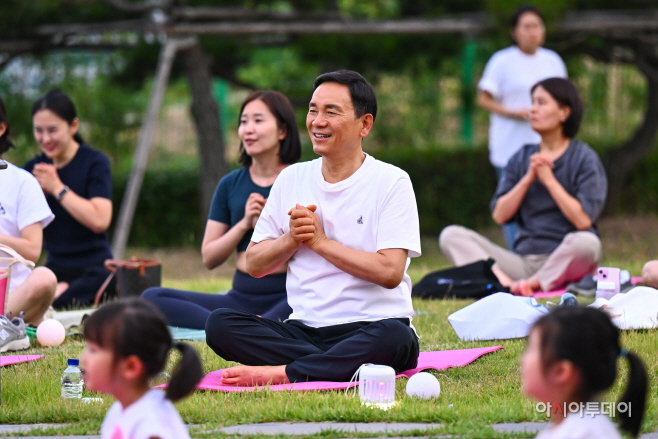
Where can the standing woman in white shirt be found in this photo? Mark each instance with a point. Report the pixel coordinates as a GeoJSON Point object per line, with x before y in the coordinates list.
{"type": "Point", "coordinates": [504, 90]}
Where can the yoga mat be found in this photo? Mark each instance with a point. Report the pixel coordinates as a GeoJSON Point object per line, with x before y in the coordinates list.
{"type": "Point", "coordinates": [6, 360]}
{"type": "Point", "coordinates": [438, 360]}
{"type": "Point", "coordinates": [4, 288]}
{"type": "Point", "coordinates": [634, 280]}
{"type": "Point", "coordinates": [73, 319]}
{"type": "Point", "coordinates": [187, 333]}
{"type": "Point", "coordinates": [559, 292]}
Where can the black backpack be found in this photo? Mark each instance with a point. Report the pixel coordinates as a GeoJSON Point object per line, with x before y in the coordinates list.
{"type": "Point", "coordinates": [474, 280]}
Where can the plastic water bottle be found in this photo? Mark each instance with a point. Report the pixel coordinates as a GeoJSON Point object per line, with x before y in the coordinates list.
{"type": "Point", "coordinates": [72, 381]}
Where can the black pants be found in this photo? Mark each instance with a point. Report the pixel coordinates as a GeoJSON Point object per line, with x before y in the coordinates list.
{"type": "Point", "coordinates": [83, 286]}
{"type": "Point", "coordinates": [331, 353]}
{"type": "Point", "coordinates": [266, 297]}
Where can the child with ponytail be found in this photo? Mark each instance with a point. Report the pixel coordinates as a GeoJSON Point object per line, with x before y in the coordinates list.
{"type": "Point", "coordinates": [127, 342]}
{"type": "Point", "coordinates": [571, 358]}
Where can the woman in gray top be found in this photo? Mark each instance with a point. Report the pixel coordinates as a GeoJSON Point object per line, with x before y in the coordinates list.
{"type": "Point", "coordinates": [554, 190]}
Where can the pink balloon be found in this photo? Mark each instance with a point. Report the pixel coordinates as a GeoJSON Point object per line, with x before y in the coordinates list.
{"type": "Point", "coordinates": [51, 332]}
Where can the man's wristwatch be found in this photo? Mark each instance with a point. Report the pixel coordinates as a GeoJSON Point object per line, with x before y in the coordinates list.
{"type": "Point", "coordinates": [61, 193]}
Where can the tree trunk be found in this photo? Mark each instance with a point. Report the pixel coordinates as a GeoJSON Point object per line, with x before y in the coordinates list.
{"type": "Point", "coordinates": [205, 112]}
{"type": "Point", "coordinates": [620, 161]}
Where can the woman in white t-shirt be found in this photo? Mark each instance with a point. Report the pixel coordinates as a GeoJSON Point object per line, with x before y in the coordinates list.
{"type": "Point", "coordinates": [571, 358]}
{"type": "Point", "coordinates": [24, 213]}
{"type": "Point", "coordinates": [504, 90]}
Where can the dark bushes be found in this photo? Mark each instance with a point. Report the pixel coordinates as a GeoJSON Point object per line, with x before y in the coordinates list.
{"type": "Point", "coordinates": [451, 186]}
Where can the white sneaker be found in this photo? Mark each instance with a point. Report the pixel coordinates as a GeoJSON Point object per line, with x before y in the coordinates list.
{"type": "Point", "coordinates": [12, 334]}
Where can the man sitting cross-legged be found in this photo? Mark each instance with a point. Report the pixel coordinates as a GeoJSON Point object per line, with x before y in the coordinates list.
{"type": "Point", "coordinates": [347, 225]}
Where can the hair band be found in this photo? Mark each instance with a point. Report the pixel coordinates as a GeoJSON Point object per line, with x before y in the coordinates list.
{"type": "Point", "coordinates": [623, 352]}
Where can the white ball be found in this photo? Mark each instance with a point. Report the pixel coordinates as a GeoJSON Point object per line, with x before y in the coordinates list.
{"type": "Point", "coordinates": [423, 385]}
{"type": "Point", "coordinates": [51, 332]}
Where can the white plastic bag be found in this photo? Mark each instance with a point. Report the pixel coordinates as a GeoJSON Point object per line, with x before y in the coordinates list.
{"type": "Point", "coordinates": [495, 317]}
{"type": "Point", "coordinates": [636, 309]}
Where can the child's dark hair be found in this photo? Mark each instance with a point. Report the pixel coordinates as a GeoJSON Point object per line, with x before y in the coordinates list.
{"type": "Point", "coordinates": [587, 338]}
{"type": "Point", "coordinates": [59, 103]}
{"type": "Point", "coordinates": [5, 142]}
{"type": "Point", "coordinates": [135, 327]}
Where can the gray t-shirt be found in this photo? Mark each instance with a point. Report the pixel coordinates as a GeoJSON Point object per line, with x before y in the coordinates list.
{"type": "Point", "coordinates": [542, 225]}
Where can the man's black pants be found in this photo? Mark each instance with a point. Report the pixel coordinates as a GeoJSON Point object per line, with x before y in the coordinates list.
{"type": "Point", "coordinates": [330, 353]}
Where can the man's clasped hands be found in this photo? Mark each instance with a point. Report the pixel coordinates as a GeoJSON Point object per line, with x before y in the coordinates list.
{"type": "Point", "coordinates": [305, 226]}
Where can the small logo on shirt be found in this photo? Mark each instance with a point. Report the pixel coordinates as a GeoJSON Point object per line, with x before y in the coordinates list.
{"type": "Point", "coordinates": [2, 210]}
{"type": "Point", "coordinates": [360, 220]}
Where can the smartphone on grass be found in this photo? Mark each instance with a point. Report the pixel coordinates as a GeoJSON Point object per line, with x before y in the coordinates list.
{"type": "Point", "coordinates": [608, 282]}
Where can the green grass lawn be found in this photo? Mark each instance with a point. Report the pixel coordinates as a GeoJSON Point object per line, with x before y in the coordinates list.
{"type": "Point", "coordinates": [472, 398]}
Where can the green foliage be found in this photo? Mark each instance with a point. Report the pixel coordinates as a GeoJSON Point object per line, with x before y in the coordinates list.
{"type": "Point", "coordinates": [411, 111]}
{"type": "Point", "coordinates": [22, 16]}
{"type": "Point", "coordinates": [551, 10]}
{"type": "Point", "coordinates": [614, 98]}
{"type": "Point", "coordinates": [433, 8]}
{"type": "Point", "coordinates": [139, 64]}
{"type": "Point", "coordinates": [110, 115]}
{"type": "Point", "coordinates": [20, 122]}
{"type": "Point", "coordinates": [451, 186]}
{"type": "Point", "coordinates": [279, 68]}
{"type": "Point", "coordinates": [418, 79]}
{"type": "Point", "coordinates": [168, 209]}
{"type": "Point", "coordinates": [370, 8]}
{"type": "Point", "coordinates": [640, 193]}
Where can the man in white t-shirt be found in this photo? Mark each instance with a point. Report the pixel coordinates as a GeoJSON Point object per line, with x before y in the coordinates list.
{"type": "Point", "coordinates": [504, 90]}
{"type": "Point", "coordinates": [347, 225]}
{"type": "Point", "coordinates": [24, 213]}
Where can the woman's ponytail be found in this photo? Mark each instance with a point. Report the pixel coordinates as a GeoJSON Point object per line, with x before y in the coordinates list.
{"type": "Point", "coordinates": [186, 375]}
{"type": "Point", "coordinates": [635, 395]}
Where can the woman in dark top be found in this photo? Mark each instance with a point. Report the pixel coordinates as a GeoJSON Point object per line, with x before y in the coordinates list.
{"type": "Point", "coordinates": [78, 187]}
{"type": "Point", "coordinates": [269, 142]}
{"type": "Point", "coordinates": [555, 191]}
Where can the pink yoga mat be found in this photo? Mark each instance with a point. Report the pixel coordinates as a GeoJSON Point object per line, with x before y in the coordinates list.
{"type": "Point", "coordinates": [3, 293]}
{"type": "Point", "coordinates": [634, 281]}
{"type": "Point", "coordinates": [549, 293]}
{"type": "Point", "coordinates": [438, 360]}
{"type": "Point", "coordinates": [6, 360]}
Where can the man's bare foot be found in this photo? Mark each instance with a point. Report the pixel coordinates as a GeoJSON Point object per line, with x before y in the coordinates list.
{"type": "Point", "coordinates": [521, 288]}
{"type": "Point", "coordinates": [254, 375]}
